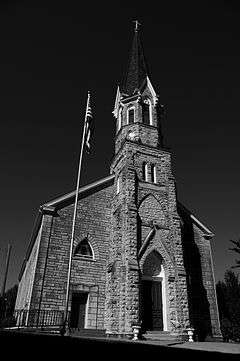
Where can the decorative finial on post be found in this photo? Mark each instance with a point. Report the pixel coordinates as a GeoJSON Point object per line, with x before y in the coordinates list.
{"type": "Point", "coordinates": [137, 23]}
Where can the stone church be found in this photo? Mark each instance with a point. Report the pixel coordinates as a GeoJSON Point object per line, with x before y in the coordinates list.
{"type": "Point", "coordinates": [139, 256]}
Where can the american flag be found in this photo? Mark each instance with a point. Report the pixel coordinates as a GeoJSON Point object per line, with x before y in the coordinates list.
{"type": "Point", "coordinates": [89, 125]}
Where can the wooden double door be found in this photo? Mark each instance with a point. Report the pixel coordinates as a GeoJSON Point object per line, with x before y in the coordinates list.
{"type": "Point", "coordinates": [152, 310]}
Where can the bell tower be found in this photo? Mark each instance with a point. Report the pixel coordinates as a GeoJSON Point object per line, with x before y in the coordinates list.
{"type": "Point", "coordinates": [145, 227]}
{"type": "Point", "coordinates": [137, 110]}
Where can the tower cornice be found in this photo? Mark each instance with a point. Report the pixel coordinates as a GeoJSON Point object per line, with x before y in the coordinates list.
{"type": "Point", "coordinates": [140, 148]}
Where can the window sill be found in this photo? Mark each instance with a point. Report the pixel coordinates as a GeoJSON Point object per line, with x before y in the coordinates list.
{"type": "Point", "coordinates": [83, 258]}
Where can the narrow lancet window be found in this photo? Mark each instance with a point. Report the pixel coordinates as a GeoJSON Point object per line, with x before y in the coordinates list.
{"type": "Point", "coordinates": [153, 174]}
{"type": "Point", "coordinates": [146, 113]}
{"type": "Point", "coordinates": [145, 171]}
{"type": "Point", "coordinates": [131, 115]}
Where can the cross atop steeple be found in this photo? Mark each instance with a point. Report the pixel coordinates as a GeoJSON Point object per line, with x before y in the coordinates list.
{"type": "Point", "coordinates": [137, 23]}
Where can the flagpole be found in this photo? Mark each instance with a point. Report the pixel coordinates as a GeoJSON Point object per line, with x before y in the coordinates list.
{"type": "Point", "coordinates": [74, 220]}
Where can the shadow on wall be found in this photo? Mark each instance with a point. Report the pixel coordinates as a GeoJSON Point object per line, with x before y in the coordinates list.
{"type": "Point", "coordinates": [199, 308]}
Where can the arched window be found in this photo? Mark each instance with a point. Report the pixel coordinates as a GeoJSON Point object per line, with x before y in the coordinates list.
{"type": "Point", "coordinates": [131, 115]}
{"type": "Point", "coordinates": [119, 120]}
{"type": "Point", "coordinates": [147, 112]}
{"type": "Point", "coordinates": [153, 173]}
{"type": "Point", "coordinates": [145, 171]}
{"type": "Point", "coordinates": [84, 249]}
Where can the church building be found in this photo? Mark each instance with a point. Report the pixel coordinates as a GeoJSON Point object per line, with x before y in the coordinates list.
{"type": "Point", "coordinates": [139, 256]}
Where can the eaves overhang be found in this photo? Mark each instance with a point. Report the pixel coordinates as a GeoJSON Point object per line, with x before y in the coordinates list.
{"type": "Point", "coordinates": [58, 202]}
{"type": "Point", "coordinates": [206, 231]}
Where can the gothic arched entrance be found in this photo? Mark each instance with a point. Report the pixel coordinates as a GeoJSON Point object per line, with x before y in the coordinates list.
{"type": "Point", "coordinates": [153, 294]}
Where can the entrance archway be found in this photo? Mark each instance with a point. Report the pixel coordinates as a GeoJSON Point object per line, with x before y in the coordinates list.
{"type": "Point", "coordinates": [153, 286]}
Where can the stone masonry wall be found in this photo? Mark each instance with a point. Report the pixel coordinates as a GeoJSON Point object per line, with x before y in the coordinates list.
{"type": "Point", "coordinates": [200, 278]}
{"type": "Point", "coordinates": [89, 276]}
{"type": "Point", "coordinates": [152, 203]}
{"type": "Point", "coordinates": [204, 248]}
{"type": "Point", "coordinates": [157, 205]}
{"type": "Point", "coordinates": [167, 242]}
{"type": "Point", "coordinates": [25, 286]}
{"type": "Point", "coordinates": [122, 306]}
{"type": "Point", "coordinates": [37, 292]}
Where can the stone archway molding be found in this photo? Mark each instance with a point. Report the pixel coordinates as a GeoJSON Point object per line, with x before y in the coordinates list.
{"type": "Point", "coordinates": [154, 270]}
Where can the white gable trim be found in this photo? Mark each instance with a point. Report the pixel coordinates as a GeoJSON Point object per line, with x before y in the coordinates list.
{"type": "Point", "coordinates": [117, 101]}
{"type": "Point", "coordinates": [154, 95]}
{"type": "Point", "coordinates": [93, 185]}
{"type": "Point", "coordinates": [209, 233]}
{"type": "Point", "coordinates": [196, 221]}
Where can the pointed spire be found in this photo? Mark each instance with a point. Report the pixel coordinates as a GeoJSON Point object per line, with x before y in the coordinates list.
{"type": "Point", "coordinates": [137, 68]}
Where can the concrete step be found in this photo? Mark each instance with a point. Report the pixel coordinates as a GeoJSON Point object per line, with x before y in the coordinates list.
{"type": "Point", "coordinates": [88, 332]}
{"type": "Point", "coordinates": [159, 336]}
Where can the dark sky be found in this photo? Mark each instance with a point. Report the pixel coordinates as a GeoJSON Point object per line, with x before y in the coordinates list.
{"type": "Point", "coordinates": [53, 53]}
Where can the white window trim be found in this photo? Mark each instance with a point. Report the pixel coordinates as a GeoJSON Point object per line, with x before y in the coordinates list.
{"type": "Point", "coordinates": [154, 173]}
{"type": "Point", "coordinates": [131, 108]}
{"type": "Point", "coordinates": [145, 172]}
{"type": "Point", "coordinates": [150, 112]}
{"type": "Point", "coordinates": [86, 311]}
{"type": "Point", "coordinates": [161, 277]}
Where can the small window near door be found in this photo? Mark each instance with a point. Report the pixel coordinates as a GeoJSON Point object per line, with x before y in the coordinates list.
{"type": "Point", "coordinates": [84, 249]}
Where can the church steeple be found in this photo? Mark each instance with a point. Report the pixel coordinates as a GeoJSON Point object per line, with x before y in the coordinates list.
{"type": "Point", "coordinates": [137, 71]}
{"type": "Point", "coordinates": [137, 111]}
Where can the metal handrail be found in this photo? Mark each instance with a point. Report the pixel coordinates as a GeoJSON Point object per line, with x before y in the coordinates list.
{"type": "Point", "coordinates": [38, 318]}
